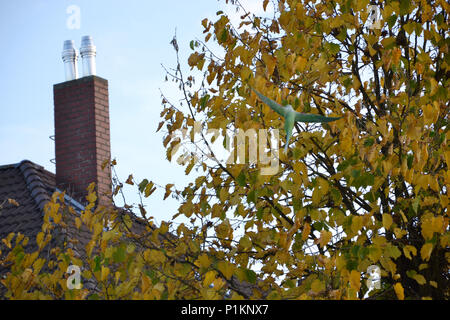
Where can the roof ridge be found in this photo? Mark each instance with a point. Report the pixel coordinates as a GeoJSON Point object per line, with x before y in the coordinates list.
{"type": "Point", "coordinates": [34, 182]}
{"type": "Point", "coordinates": [9, 166]}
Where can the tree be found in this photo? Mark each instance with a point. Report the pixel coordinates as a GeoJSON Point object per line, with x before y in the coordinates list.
{"type": "Point", "coordinates": [369, 189]}
{"type": "Point", "coordinates": [366, 192]}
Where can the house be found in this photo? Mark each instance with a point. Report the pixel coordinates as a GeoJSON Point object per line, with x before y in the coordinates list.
{"type": "Point", "coordinates": [82, 156]}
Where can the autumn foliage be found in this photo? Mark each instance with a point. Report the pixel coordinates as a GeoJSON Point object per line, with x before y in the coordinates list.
{"type": "Point", "coordinates": [370, 189]}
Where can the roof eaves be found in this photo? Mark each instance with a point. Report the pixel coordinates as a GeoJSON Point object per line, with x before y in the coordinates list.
{"type": "Point", "coordinates": [71, 201]}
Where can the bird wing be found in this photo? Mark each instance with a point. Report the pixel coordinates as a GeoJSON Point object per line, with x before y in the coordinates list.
{"type": "Point", "coordinates": [307, 117]}
{"type": "Point", "coordinates": [272, 104]}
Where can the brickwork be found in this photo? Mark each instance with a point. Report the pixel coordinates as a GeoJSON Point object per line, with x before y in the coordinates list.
{"type": "Point", "coordinates": [82, 136]}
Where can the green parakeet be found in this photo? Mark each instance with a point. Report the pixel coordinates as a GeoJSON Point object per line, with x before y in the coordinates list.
{"type": "Point", "coordinates": [291, 116]}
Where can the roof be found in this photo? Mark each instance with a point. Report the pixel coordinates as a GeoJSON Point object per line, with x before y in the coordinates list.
{"type": "Point", "coordinates": [31, 187]}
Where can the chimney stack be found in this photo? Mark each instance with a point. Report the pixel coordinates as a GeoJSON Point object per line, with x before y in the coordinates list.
{"type": "Point", "coordinates": [82, 134]}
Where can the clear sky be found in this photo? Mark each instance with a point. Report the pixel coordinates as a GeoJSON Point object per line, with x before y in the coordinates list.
{"type": "Point", "coordinates": [133, 40]}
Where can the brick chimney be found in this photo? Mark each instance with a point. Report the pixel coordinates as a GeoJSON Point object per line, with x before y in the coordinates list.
{"type": "Point", "coordinates": [82, 137]}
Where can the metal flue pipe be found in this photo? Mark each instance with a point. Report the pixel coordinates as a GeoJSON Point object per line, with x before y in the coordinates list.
{"type": "Point", "coordinates": [70, 57]}
{"type": "Point", "coordinates": [88, 52]}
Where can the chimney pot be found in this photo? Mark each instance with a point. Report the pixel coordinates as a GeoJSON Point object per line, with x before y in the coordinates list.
{"type": "Point", "coordinates": [88, 52]}
{"type": "Point", "coordinates": [70, 57]}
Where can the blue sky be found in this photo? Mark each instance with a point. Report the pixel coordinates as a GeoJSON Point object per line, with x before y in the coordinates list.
{"type": "Point", "coordinates": [132, 39]}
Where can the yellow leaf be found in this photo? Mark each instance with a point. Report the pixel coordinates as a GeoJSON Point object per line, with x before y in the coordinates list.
{"type": "Point", "coordinates": [78, 222]}
{"type": "Point", "coordinates": [427, 227]}
{"type": "Point", "coordinates": [396, 54]}
{"type": "Point", "coordinates": [98, 228]}
{"type": "Point", "coordinates": [245, 73]}
{"type": "Point", "coordinates": [429, 114]}
{"type": "Point", "coordinates": [37, 265]}
{"type": "Point", "coordinates": [226, 268]}
{"type": "Point", "coordinates": [325, 237]}
{"type": "Point", "coordinates": [316, 196]}
{"type": "Point", "coordinates": [203, 261]}
{"type": "Point", "coordinates": [355, 280]}
{"type": "Point", "coordinates": [399, 291]}
{"type": "Point", "coordinates": [39, 239]}
{"type": "Point", "coordinates": [306, 231]}
{"type": "Point", "coordinates": [13, 202]}
{"type": "Point", "coordinates": [145, 283]}
{"type": "Point", "coordinates": [426, 250]}
{"type": "Point", "coordinates": [168, 191]}
{"type": "Point", "coordinates": [105, 273]}
{"type": "Point", "coordinates": [270, 63]}
{"type": "Point", "coordinates": [399, 233]}
{"type": "Point", "coordinates": [434, 284]}
{"type": "Point", "coordinates": [195, 58]}
{"type": "Point", "coordinates": [223, 194]}
{"type": "Point", "coordinates": [423, 266]}
{"type": "Point", "coordinates": [405, 220]}
{"type": "Point", "coordinates": [210, 276]}
{"type": "Point", "coordinates": [317, 286]}
{"type": "Point", "coordinates": [245, 242]}
{"type": "Point", "coordinates": [357, 224]}
{"type": "Point", "coordinates": [438, 224]}
{"type": "Point", "coordinates": [91, 197]}
{"type": "Point", "coordinates": [130, 180]}
{"type": "Point", "coordinates": [407, 250]}
{"type": "Point", "coordinates": [420, 279]}
{"type": "Point", "coordinates": [218, 283]}
{"type": "Point", "coordinates": [105, 163]}
{"type": "Point", "coordinates": [387, 221]}
{"type": "Point", "coordinates": [149, 189]}
{"type": "Point", "coordinates": [300, 64]}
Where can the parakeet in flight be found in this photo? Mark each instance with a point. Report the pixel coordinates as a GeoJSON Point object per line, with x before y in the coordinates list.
{"type": "Point", "coordinates": [291, 116]}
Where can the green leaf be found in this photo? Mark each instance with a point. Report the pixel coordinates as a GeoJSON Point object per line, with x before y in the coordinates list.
{"type": "Point", "coordinates": [364, 180]}
{"type": "Point", "coordinates": [410, 160]}
{"type": "Point", "coordinates": [223, 35]}
{"type": "Point", "coordinates": [369, 196]}
{"type": "Point", "coordinates": [119, 255]}
{"type": "Point", "coordinates": [404, 6]}
{"type": "Point", "coordinates": [251, 197]}
{"type": "Point", "coordinates": [250, 275]}
{"type": "Point", "coordinates": [142, 185]}
{"type": "Point", "coordinates": [355, 250]}
{"type": "Point", "coordinates": [241, 179]}
{"type": "Point", "coordinates": [318, 225]}
{"type": "Point", "coordinates": [391, 21]}
{"type": "Point", "coordinates": [363, 252]}
{"type": "Point", "coordinates": [333, 48]}
{"type": "Point", "coordinates": [259, 213]}
{"type": "Point", "coordinates": [203, 101]}
{"type": "Point", "coordinates": [98, 264]}
{"type": "Point", "coordinates": [369, 142]}
{"type": "Point", "coordinates": [352, 264]}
